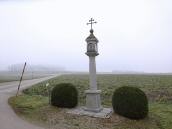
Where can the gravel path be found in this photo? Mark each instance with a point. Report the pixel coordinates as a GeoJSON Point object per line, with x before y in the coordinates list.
{"type": "Point", "coordinates": [8, 119]}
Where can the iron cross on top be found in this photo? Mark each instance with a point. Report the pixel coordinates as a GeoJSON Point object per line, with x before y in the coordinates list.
{"type": "Point", "coordinates": [91, 22]}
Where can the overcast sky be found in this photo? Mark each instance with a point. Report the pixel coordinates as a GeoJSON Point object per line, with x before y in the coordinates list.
{"type": "Point", "coordinates": [134, 35]}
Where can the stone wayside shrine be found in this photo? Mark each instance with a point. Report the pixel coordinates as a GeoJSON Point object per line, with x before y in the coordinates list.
{"type": "Point", "coordinates": [93, 106]}
{"type": "Point", "coordinates": [93, 102]}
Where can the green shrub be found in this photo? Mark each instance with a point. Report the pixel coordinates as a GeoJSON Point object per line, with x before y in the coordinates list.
{"type": "Point", "coordinates": [130, 102]}
{"type": "Point", "coordinates": [64, 95]}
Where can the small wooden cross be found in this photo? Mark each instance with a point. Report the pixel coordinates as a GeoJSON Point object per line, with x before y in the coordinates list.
{"type": "Point", "coordinates": [91, 21]}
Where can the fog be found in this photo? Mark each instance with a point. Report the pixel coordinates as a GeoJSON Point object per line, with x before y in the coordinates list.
{"type": "Point", "coordinates": [133, 35]}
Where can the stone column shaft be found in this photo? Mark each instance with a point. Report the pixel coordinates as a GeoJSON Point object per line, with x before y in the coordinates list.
{"type": "Point", "coordinates": [92, 71]}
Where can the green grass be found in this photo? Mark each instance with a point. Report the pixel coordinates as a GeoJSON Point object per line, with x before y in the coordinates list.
{"type": "Point", "coordinates": [15, 76]}
{"type": "Point", "coordinates": [8, 78]}
{"type": "Point", "coordinates": [29, 107]}
{"type": "Point", "coordinates": [164, 113]}
{"type": "Point", "coordinates": [28, 102]}
{"type": "Point", "coordinates": [157, 87]}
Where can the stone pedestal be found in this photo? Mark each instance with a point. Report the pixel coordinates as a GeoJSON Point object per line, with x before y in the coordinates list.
{"type": "Point", "coordinates": [93, 101]}
{"type": "Point", "coordinates": [104, 113]}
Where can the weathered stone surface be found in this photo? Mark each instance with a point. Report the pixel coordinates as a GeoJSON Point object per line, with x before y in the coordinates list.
{"type": "Point", "coordinates": [104, 113]}
{"type": "Point", "coordinates": [93, 101]}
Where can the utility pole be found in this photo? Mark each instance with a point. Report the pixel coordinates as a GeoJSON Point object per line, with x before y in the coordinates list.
{"type": "Point", "coordinates": [21, 79]}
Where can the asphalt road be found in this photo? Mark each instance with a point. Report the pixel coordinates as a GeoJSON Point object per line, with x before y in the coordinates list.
{"type": "Point", "coordinates": [8, 119]}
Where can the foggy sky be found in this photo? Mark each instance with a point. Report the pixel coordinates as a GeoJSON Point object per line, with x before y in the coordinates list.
{"type": "Point", "coordinates": [134, 35]}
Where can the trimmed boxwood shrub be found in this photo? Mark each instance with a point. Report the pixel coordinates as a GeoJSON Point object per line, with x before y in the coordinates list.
{"type": "Point", "coordinates": [64, 95]}
{"type": "Point", "coordinates": [130, 102]}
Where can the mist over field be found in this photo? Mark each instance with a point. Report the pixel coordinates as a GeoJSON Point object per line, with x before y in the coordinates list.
{"type": "Point", "coordinates": [134, 36]}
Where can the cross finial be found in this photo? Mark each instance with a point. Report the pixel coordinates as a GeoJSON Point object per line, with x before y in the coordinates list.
{"type": "Point", "coordinates": [91, 22]}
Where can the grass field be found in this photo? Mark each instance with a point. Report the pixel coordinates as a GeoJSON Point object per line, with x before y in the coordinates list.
{"type": "Point", "coordinates": [15, 76]}
{"type": "Point", "coordinates": [157, 87]}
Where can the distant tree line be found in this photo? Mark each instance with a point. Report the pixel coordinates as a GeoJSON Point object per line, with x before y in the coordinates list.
{"type": "Point", "coordinates": [35, 68]}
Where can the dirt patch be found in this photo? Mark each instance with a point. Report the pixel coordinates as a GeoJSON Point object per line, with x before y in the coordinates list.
{"type": "Point", "coordinates": [59, 119]}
